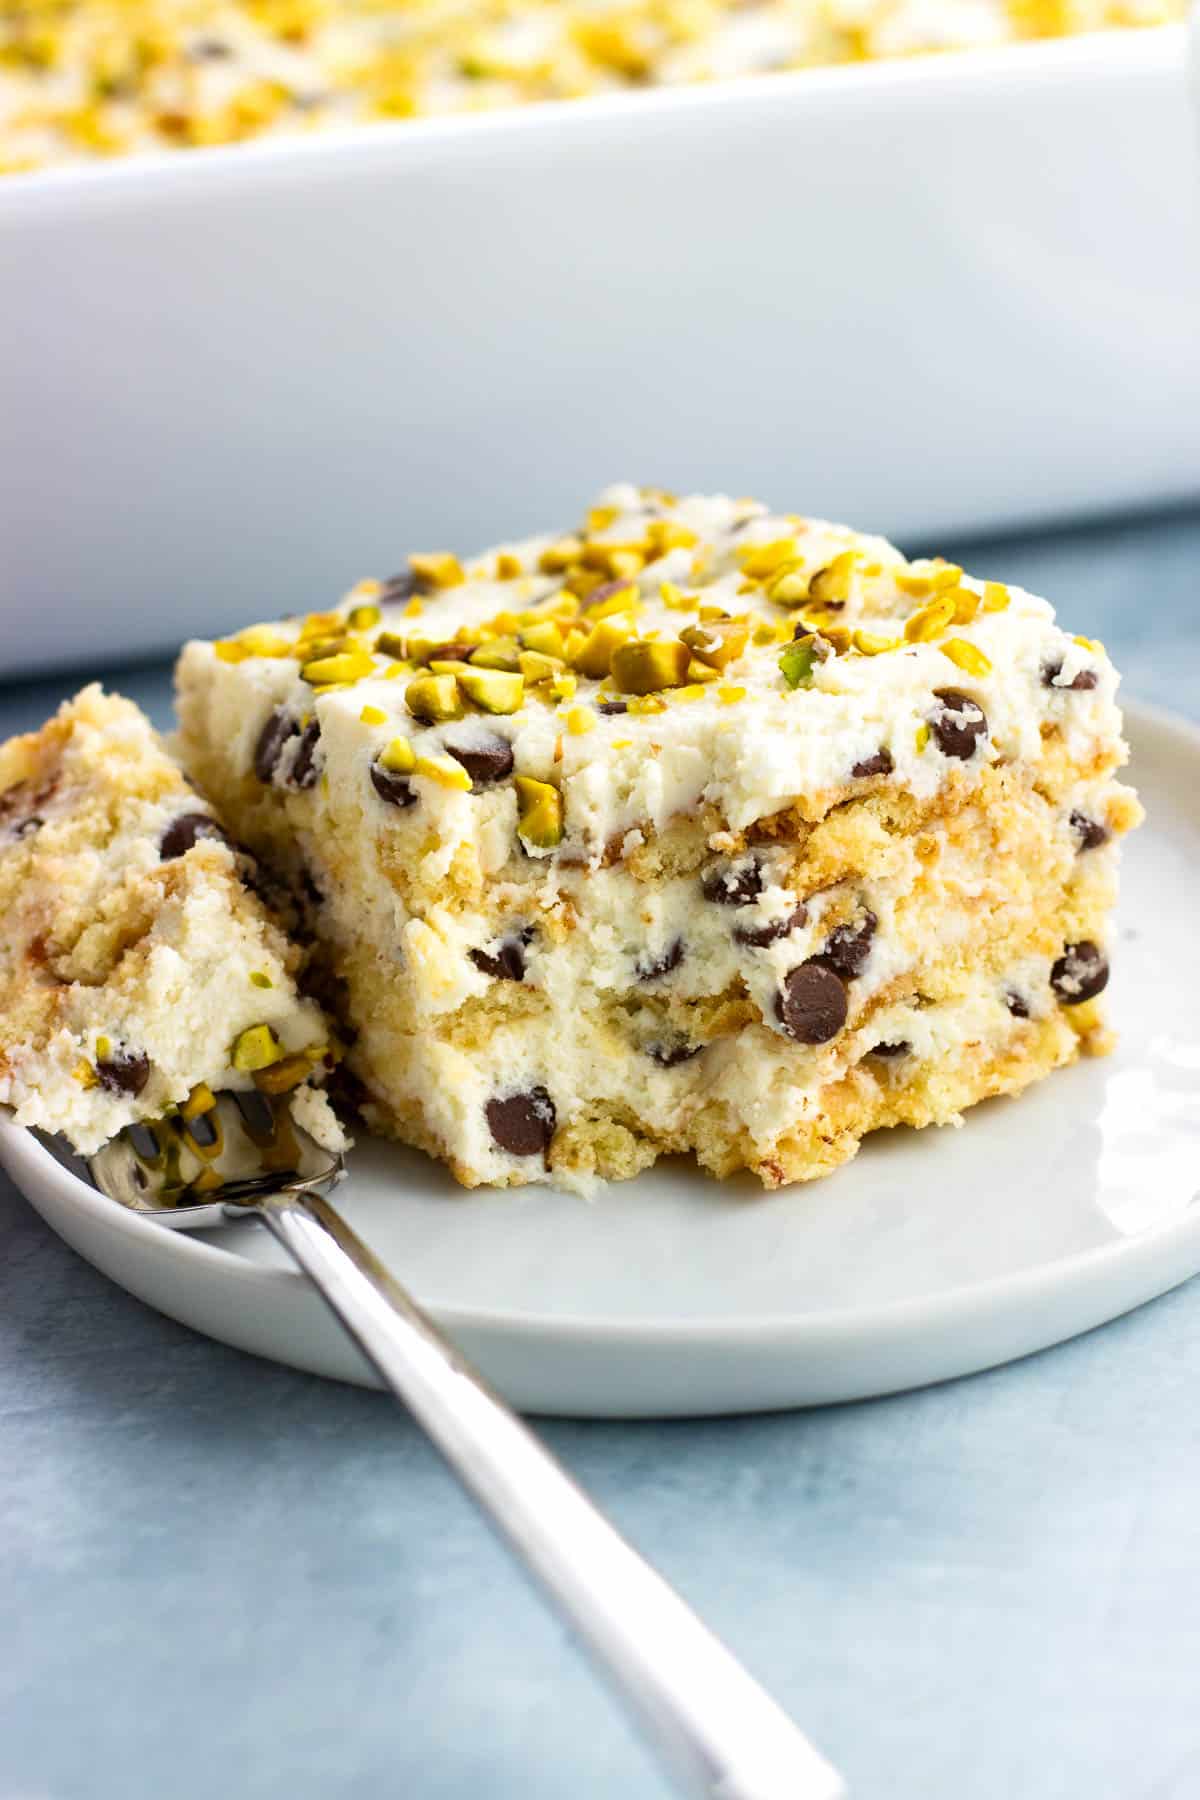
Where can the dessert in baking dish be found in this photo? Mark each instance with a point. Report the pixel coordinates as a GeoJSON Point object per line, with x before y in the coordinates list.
{"type": "Point", "coordinates": [88, 78]}
{"type": "Point", "coordinates": [140, 972]}
{"type": "Point", "coordinates": [698, 828]}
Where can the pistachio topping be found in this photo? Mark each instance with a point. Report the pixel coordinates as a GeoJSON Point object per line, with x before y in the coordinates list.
{"type": "Point", "coordinates": [434, 697]}
{"type": "Point", "coordinates": [539, 813]}
{"type": "Point", "coordinates": [255, 1048]}
{"type": "Point", "coordinates": [646, 666]}
{"type": "Point", "coordinates": [494, 690]}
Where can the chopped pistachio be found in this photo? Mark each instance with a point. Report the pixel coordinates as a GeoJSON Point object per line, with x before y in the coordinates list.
{"type": "Point", "coordinates": [390, 643]}
{"type": "Point", "coordinates": [966, 604]}
{"type": "Point", "coordinates": [874, 643]}
{"type": "Point", "coordinates": [282, 1076]}
{"type": "Point", "coordinates": [445, 770]}
{"type": "Point", "coordinates": [594, 656]}
{"type": "Point", "coordinates": [563, 685]}
{"type": "Point", "coordinates": [447, 665]}
{"type": "Point", "coordinates": [363, 617]}
{"type": "Point", "coordinates": [702, 673]}
{"type": "Point", "coordinates": [84, 1074]}
{"type": "Point", "coordinates": [922, 737]}
{"type": "Point", "coordinates": [675, 598]}
{"type": "Point", "coordinates": [433, 697]}
{"type": "Point", "coordinates": [626, 599]}
{"type": "Point", "coordinates": [372, 715]}
{"type": "Point", "coordinates": [966, 656]}
{"type": "Point", "coordinates": [791, 585]}
{"type": "Point", "coordinates": [399, 757]}
{"type": "Point", "coordinates": [439, 567]}
{"type": "Point", "coordinates": [260, 979]}
{"type": "Point", "coordinates": [104, 1049]}
{"type": "Point", "coordinates": [799, 661]}
{"type": "Point", "coordinates": [353, 665]}
{"type": "Point", "coordinates": [495, 690]}
{"type": "Point", "coordinates": [928, 622]}
{"type": "Point", "coordinates": [668, 534]}
{"type": "Point", "coordinates": [558, 557]}
{"type": "Point", "coordinates": [716, 644]}
{"type": "Point", "coordinates": [508, 566]}
{"type": "Point", "coordinates": [539, 813]}
{"type": "Point", "coordinates": [580, 720]}
{"type": "Point", "coordinates": [535, 667]}
{"type": "Point", "coordinates": [200, 1100]}
{"type": "Point", "coordinates": [544, 637]}
{"type": "Point", "coordinates": [995, 596]}
{"type": "Point", "coordinates": [497, 653]}
{"type": "Point", "coordinates": [646, 666]}
{"type": "Point", "coordinates": [255, 1048]}
{"type": "Point", "coordinates": [642, 704]}
{"type": "Point", "coordinates": [729, 696]}
{"type": "Point", "coordinates": [835, 580]}
{"type": "Point", "coordinates": [761, 560]}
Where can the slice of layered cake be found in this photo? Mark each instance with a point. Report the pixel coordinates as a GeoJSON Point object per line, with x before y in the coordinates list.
{"type": "Point", "coordinates": [140, 972]}
{"type": "Point", "coordinates": [699, 828]}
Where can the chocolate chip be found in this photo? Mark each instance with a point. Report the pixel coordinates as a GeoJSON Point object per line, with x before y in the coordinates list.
{"type": "Point", "coordinates": [958, 724]}
{"type": "Point", "coordinates": [185, 832]}
{"type": "Point", "coordinates": [847, 948]}
{"type": "Point", "coordinates": [506, 964]}
{"type": "Point", "coordinates": [1017, 1005]}
{"type": "Point", "coordinates": [802, 631]}
{"type": "Point", "coordinates": [1089, 833]}
{"type": "Point", "coordinates": [812, 1004]}
{"type": "Point", "coordinates": [274, 735]}
{"type": "Point", "coordinates": [733, 885]}
{"type": "Point", "coordinates": [489, 760]}
{"type": "Point", "coordinates": [523, 1124]}
{"type": "Point", "coordinates": [879, 764]}
{"type": "Point", "coordinates": [669, 1056]}
{"type": "Point", "coordinates": [1084, 680]}
{"type": "Point", "coordinates": [209, 49]}
{"type": "Point", "coordinates": [303, 772]}
{"type": "Point", "coordinates": [611, 707]}
{"type": "Point", "coordinates": [124, 1072]}
{"type": "Point", "coordinates": [653, 968]}
{"type": "Point", "coordinates": [901, 1047]}
{"type": "Point", "coordinates": [392, 787]}
{"type": "Point", "coordinates": [759, 936]}
{"type": "Point", "coordinates": [1080, 973]}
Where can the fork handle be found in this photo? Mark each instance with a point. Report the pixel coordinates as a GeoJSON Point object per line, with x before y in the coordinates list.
{"type": "Point", "coordinates": [723, 1737]}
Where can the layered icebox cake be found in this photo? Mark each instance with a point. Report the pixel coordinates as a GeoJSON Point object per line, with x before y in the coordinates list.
{"type": "Point", "coordinates": [141, 972]}
{"type": "Point", "coordinates": [699, 828]}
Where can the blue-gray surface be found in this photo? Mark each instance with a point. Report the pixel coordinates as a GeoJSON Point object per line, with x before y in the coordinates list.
{"type": "Point", "coordinates": [222, 1578]}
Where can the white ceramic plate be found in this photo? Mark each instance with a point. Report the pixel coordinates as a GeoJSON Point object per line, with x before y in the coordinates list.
{"type": "Point", "coordinates": [934, 1254]}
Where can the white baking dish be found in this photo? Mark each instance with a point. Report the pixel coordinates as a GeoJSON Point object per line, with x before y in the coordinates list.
{"type": "Point", "coordinates": [931, 297]}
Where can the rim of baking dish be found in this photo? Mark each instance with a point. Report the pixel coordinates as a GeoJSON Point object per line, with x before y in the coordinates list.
{"type": "Point", "coordinates": [1116, 54]}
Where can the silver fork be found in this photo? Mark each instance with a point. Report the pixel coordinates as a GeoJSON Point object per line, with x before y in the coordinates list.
{"type": "Point", "coordinates": [717, 1730]}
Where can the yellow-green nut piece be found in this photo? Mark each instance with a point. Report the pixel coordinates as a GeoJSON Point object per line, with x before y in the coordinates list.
{"type": "Point", "coordinates": [390, 643]}
{"type": "Point", "coordinates": [349, 665]}
{"type": "Point", "coordinates": [594, 656]}
{"type": "Point", "coordinates": [717, 643]}
{"type": "Point", "coordinates": [544, 636]}
{"type": "Point", "coordinates": [434, 697]}
{"type": "Point", "coordinates": [255, 1048]}
{"type": "Point", "coordinates": [500, 653]}
{"type": "Point", "coordinates": [495, 690]}
{"type": "Point", "coordinates": [280, 1077]}
{"type": "Point", "coordinates": [363, 617]}
{"type": "Point", "coordinates": [833, 582]}
{"type": "Point", "coordinates": [536, 668]}
{"type": "Point", "coordinates": [399, 756]}
{"type": "Point", "coordinates": [647, 666]}
{"type": "Point", "coordinates": [539, 813]}
{"type": "Point", "coordinates": [798, 662]}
